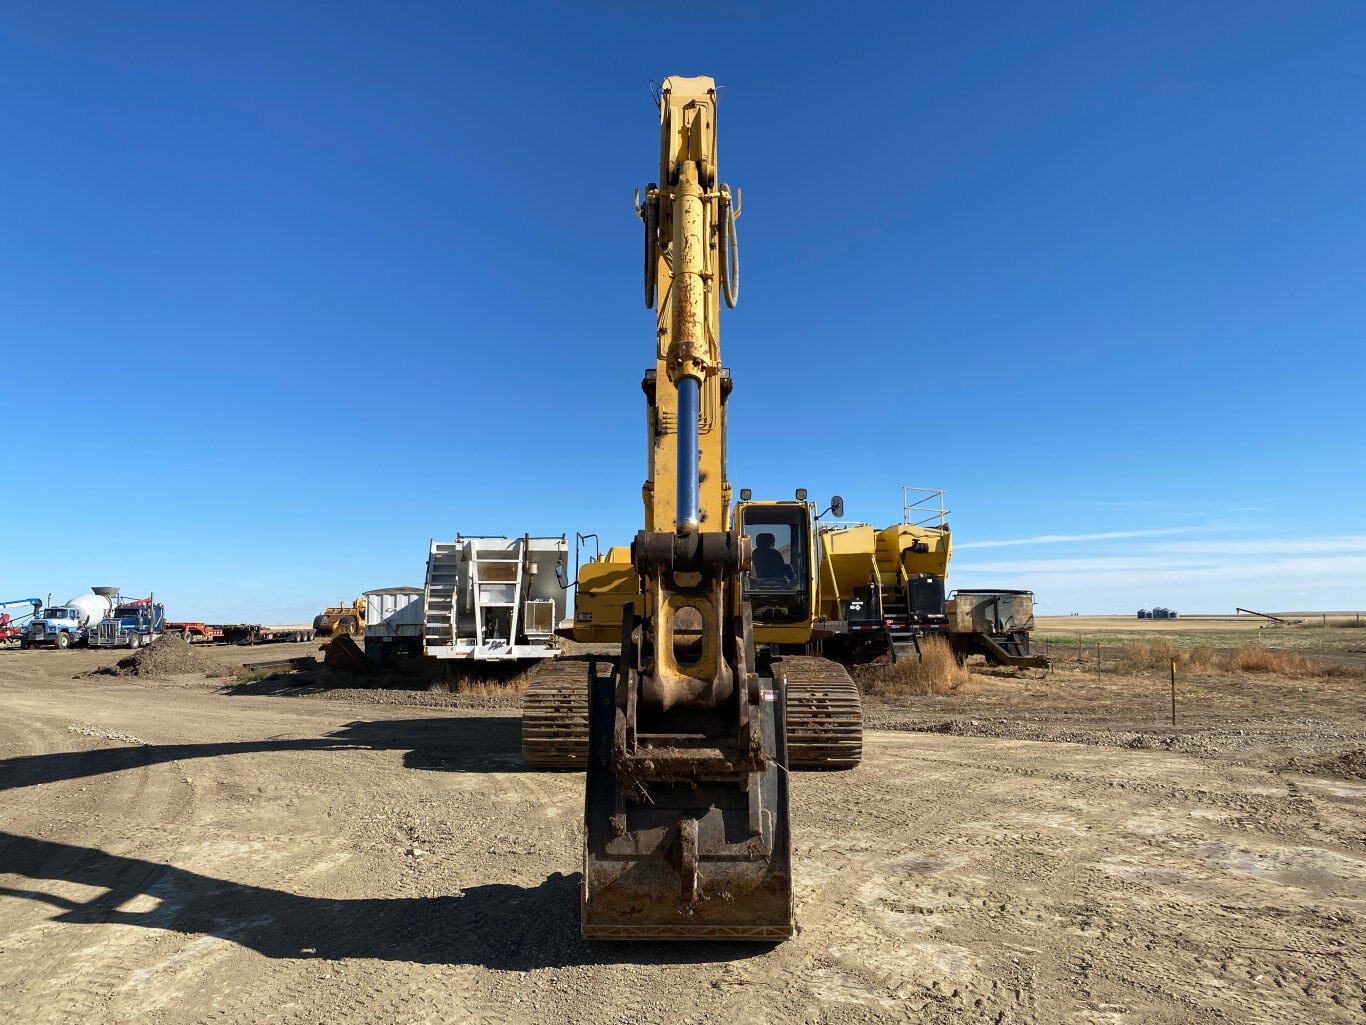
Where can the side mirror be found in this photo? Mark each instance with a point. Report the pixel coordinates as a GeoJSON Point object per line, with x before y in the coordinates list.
{"type": "Point", "coordinates": [837, 507]}
{"type": "Point", "coordinates": [561, 576]}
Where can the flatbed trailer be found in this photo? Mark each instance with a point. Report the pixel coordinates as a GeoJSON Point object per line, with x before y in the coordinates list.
{"type": "Point", "coordinates": [195, 633]}
{"type": "Point", "coordinates": [256, 633]}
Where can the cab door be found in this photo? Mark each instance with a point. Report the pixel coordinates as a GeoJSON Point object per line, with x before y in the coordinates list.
{"type": "Point", "coordinates": [780, 584]}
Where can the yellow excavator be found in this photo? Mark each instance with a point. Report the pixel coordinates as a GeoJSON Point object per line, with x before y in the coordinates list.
{"type": "Point", "coordinates": [688, 731]}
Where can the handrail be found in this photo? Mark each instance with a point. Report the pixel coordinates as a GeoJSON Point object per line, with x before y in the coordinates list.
{"type": "Point", "coordinates": [930, 506]}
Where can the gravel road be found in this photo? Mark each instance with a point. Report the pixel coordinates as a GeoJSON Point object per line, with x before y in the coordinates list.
{"type": "Point", "coordinates": [173, 854]}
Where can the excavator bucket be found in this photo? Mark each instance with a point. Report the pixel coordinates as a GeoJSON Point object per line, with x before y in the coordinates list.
{"type": "Point", "coordinates": [343, 654]}
{"type": "Point", "coordinates": [703, 857]}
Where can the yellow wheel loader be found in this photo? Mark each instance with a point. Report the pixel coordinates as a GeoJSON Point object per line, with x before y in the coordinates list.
{"type": "Point", "coordinates": [687, 732]}
{"type": "Point", "coordinates": [340, 620]}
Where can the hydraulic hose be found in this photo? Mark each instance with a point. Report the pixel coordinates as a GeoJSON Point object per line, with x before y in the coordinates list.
{"type": "Point", "coordinates": [730, 255]}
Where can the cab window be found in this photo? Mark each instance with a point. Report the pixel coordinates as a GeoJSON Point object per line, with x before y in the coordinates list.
{"type": "Point", "coordinates": [777, 583]}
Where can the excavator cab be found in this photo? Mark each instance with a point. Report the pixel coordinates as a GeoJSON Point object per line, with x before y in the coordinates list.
{"type": "Point", "coordinates": [780, 584]}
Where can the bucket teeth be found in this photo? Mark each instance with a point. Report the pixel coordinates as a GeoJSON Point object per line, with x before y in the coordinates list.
{"type": "Point", "coordinates": [687, 860]}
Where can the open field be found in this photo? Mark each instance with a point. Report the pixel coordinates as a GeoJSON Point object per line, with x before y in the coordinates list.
{"type": "Point", "coordinates": [1339, 641]}
{"type": "Point", "coordinates": [1026, 849]}
{"type": "Point", "coordinates": [1313, 625]}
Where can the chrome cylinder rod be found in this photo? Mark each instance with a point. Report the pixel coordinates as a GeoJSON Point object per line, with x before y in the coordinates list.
{"type": "Point", "coordinates": [689, 396]}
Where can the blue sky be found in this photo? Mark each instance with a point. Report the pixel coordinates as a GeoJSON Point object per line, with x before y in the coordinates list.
{"type": "Point", "coordinates": [286, 290]}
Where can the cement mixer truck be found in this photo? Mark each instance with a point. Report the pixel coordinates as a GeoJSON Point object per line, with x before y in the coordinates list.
{"type": "Point", "coordinates": [61, 626]}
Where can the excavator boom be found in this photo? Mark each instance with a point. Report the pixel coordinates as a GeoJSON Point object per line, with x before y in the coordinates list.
{"type": "Point", "coordinates": [688, 733]}
{"type": "Point", "coordinates": [686, 810]}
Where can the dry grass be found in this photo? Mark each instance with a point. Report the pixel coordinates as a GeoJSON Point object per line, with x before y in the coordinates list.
{"type": "Point", "coordinates": [483, 684]}
{"type": "Point", "coordinates": [1352, 622]}
{"type": "Point", "coordinates": [1248, 657]}
{"type": "Point", "coordinates": [1258, 658]}
{"type": "Point", "coordinates": [935, 672]}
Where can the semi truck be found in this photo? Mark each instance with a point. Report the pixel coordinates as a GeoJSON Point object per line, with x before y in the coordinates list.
{"type": "Point", "coordinates": [131, 624]}
{"type": "Point", "coordinates": [63, 626]}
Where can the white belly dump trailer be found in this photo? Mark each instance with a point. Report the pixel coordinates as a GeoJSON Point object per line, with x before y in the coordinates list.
{"type": "Point", "coordinates": [494, 598]}
{"type": "Point", "coordinates": [394, 623]}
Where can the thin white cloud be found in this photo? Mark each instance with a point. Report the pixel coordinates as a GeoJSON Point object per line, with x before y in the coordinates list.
{"type": "Point", "coordinates": [1193, 581]}
{"type": "Point", "coordinates": [1131, 569]}
{"type": "Point", "coordinates": [1275, 546]}
{"type": "Point", "coordinates": [1051, 539]}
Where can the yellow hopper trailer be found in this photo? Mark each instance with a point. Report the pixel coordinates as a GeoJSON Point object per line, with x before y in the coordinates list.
{"type": "Point", "coordinates": [883, 590]}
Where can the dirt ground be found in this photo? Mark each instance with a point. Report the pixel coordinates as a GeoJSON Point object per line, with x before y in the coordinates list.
{"type": "Point", "coordinates": [1027, 850]}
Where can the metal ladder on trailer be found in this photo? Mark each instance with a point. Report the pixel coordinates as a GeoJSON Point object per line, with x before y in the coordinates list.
{"type": "Point", "coordinates": [903, 640]}
{"type": "Point", "coordinates": [439, 596]}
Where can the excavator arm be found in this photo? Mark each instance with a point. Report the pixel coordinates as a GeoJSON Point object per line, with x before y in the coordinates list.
{"type": "Point", "coordinates": [686, 819]}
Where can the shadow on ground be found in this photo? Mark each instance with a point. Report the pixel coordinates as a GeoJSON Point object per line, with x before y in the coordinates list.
{"type": "Point", "coordinates": [448, 743]}
{"type": "Point", "coordinates": [499, 925]}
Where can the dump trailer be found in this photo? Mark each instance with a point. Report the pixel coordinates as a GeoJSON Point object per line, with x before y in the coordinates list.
{"type": "Point", "coordinates": [686, 818]}
{"type": "Point", "coordinates": [494, 599]}
{"type": "Point", "coordinates": [394, 624]}
{"type": "Point", "coordinates": [994, 624]}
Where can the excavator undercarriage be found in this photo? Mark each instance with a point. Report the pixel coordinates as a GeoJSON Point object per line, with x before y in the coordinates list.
{"type": "Point", "coordinates": [823, 712]}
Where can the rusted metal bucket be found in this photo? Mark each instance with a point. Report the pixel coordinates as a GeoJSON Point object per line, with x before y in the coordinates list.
{"type": "Point", "coordinates": [706, 855]}
{"type": "Point", "coordinates": [343, 654]}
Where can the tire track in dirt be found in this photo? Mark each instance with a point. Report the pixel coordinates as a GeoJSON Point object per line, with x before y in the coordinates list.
{"type": "Point", "coordinates": [881, 916]}
{"type": "Point", "coordinates": [80, 810]}
{"type": "Point", "coordinates": [948, 879]}
{"type": "Point", "coordinates": [406, 813]}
